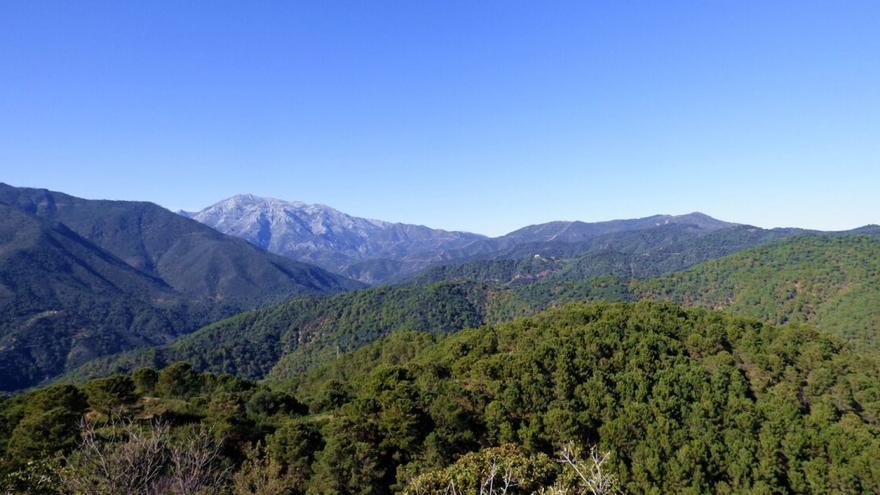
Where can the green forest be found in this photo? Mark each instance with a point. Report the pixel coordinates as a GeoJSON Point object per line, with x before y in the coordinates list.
{"type": "Point", "coordinates": [440, 248]}
{"type": "Point", "coordinates": [676, 400]}
{"type": "Point", "coordinates": [755, 372]}
{"type": "Point", "coordinates": [829, 281]}
{"type": "Point", "coordinates": [293, 336]}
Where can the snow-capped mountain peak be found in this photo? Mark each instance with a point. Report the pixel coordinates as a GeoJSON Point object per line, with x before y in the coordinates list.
{"type": "Point", "coordinates": [325, 236]}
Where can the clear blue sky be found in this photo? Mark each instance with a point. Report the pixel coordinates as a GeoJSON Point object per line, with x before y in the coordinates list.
{"type": "Point", "coordinates": [482, 116]}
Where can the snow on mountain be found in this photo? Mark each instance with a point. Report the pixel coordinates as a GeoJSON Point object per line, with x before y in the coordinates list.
{"type": "Point", "coordinates": [375, 251]}
{"type": "Point", "coordinates": [329, 238]}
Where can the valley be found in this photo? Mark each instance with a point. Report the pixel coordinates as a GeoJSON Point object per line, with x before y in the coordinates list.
{"type": "Point", "coordinates": [561, 332]}
{"type": "Point", "coordinates": [439, 248]}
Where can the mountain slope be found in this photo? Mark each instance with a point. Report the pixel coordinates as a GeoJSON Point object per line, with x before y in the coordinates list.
{"type": "Point", "coordinates": [188, 256]}
{"type": "Point", "coordinates": [81, 279]}
{"type": "Point", "coordinates": [289, 338]}
{"type": "Point", "coordinates": [64, 301]}
{"type": "Point", "coordinates": [328, 238]}
{"type": "Point", "coordinates": [829, 280]}
{"type": "Point", "coordinates": [832, 281]}
{"type": "Point", "coordinates": [761, 282]}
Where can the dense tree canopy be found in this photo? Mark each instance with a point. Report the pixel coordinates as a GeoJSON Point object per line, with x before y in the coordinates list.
{"type": "Point", "coordinates": [683, 400]}
{"type": "Point", "coordinates": [689, 401]}
{"type": "Point", "coordinates": [833, 282]}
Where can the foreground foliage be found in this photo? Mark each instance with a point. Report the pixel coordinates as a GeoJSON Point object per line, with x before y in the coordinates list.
{"type": "Point", "coordinates": [689, 401]}
{"type": "Point", "coordinates": [128, 458]}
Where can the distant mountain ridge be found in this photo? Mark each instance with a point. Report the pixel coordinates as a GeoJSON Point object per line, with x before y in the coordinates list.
{"type": "Point", "coordinates": [666, 248]}
{"type": "Point", "coordinates": [575, 231]}
{"type": "Point", "coordinates": [375, 251]}
{"type": "Point", "coordinates": [573, 238]}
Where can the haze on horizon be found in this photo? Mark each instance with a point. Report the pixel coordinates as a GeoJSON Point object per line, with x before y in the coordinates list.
{"type": "Point", "coordinates": [483, 118]}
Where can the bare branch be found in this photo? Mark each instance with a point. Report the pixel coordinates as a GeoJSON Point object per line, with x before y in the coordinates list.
{"type": "Point", "coordinates": [128, 458]}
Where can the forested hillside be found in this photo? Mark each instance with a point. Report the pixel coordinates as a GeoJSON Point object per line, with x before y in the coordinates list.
{"type": "Point", "coordinates": [291, 337]}
{"type": "Point", "coordinates": [194, 259]}
{"type": "Point", "coordinates": [81, 279]}
{"type": "Point", "coordinates": [63, 301]}
{"type": "Point", "coordinates": [682, 401]}
{"type": "Point", "coordinates": [830, 281]}
{"type": "Point", "coordinates": [833, 282]}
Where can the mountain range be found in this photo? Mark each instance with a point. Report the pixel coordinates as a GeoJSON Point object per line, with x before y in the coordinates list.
{"type": "Point", "coordinates": [85, 281]}
{"type": "Point", "coordinates": [709, 357]}
{"type": "Point", "coordinates": [376, 252]}
{"type": "Point", "coordinates": [368, 250]}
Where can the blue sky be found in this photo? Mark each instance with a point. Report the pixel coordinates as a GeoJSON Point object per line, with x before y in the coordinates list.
{"type": "Point", "coordinates": [481, 116]}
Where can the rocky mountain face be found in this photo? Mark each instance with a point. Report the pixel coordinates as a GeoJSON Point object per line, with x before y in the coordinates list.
{"type": "Point", "coordinates": [368, 250]}
{"type": "Point", "coordinates": [375, 252]}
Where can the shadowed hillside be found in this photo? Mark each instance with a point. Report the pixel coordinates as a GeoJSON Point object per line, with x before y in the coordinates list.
{"type": "Point", "coordinates": [81, 279]}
